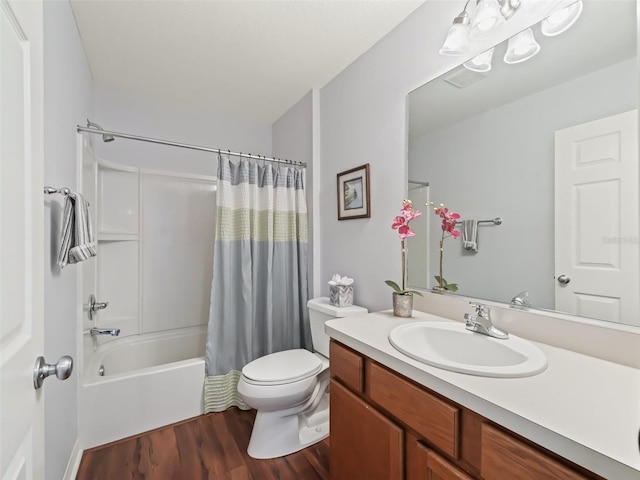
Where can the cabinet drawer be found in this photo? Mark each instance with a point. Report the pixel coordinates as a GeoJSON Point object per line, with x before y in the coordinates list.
{"type": "Point", "coordinates": [346, 365]}
{"type": "Point", "coordinates": [434, 419]}
{"type": "Point", "coordinates": [504, 456]}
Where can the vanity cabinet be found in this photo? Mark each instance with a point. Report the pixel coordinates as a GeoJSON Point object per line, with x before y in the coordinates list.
{"type": "Point", "coordinates": [386, 427]}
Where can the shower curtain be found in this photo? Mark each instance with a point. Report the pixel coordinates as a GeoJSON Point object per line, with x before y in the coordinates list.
{"type": "Point", "coordinates": [259, 291]}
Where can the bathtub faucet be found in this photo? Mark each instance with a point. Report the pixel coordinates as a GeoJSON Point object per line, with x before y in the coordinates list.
{"type": "Point", "coordinates": [114, 332]}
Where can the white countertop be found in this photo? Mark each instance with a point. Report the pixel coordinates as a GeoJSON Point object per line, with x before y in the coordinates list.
{"type": "Point", "coordinates": [583, 408]}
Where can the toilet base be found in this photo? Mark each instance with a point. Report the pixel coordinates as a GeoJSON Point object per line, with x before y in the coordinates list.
{"type": "Point", "coordinates": [280, 433]}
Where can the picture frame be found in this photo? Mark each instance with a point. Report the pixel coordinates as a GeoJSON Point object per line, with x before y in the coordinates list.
{"type": "Point", "coordinates": [354, 193]}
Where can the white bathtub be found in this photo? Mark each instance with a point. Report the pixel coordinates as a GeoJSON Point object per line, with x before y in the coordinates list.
{"type": "Point", "coordinates": [150, 380]}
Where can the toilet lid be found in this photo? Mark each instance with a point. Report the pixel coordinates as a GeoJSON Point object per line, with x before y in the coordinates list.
{"type": "Point", "coordinates": [282, 367]}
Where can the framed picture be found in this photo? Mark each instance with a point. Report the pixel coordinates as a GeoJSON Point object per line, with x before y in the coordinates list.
{"type": "Point", "coordinates": [353, 193]}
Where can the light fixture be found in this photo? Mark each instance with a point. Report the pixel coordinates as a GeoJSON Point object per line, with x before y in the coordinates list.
{"type": "Point", "coordinates": [486, 20]}
{"type": "Point", "coordinates": [521, 47]}
{"type": "Point", "coordinates": [457, 40]}
{"type": "Point", "coordinates": [561, 21]}
{"type": "Point", "coordinates": [509, 7]}
{"type": "Point", "coordinates": [480, 63]}
{"type": "Point", "coordinates": [489, 15]}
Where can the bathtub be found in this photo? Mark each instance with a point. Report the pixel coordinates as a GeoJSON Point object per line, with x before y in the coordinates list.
{"type": "Point", "coordinates": [149, 381]}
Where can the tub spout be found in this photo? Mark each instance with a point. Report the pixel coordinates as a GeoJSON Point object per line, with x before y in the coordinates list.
{"type": "Point", "coordinates": [114, 332]}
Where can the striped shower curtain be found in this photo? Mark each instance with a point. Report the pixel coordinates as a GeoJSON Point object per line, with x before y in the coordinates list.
{"type": "Point", "coordinates": [259, 290]}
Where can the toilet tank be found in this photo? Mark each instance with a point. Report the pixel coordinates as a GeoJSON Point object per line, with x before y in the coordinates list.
{"type": "Point", "coordinates": [320, 310]}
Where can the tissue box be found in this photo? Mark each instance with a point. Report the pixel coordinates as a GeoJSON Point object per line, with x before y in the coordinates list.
{"type": "Point", "coordinates": [341, 295]}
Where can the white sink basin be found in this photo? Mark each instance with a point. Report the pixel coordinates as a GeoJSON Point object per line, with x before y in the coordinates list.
{"type": "Point", "coordinates": [451, 346]}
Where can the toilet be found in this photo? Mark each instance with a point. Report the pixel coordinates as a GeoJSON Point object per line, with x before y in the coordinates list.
{"type": "Point", "coordinates": [290, 389]}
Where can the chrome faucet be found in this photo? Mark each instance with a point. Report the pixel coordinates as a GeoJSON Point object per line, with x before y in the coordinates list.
{"type": "Point", "coordinates": [114, 332]}
{"type": "Point", "coordinates": [521, 300]}
{"type": "Point", "coordinates": [480, 322]}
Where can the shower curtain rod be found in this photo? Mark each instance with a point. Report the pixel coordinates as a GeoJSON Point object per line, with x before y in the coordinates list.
{"type": "Point", "coordinates": [189, 146]}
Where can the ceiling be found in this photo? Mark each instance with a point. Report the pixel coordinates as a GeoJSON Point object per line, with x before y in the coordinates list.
{"type": "Point", "coordinates": [249, 59]}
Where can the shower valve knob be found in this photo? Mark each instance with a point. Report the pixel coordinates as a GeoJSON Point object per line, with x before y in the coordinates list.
{"type": "Point", "coordinates": [94, 306]}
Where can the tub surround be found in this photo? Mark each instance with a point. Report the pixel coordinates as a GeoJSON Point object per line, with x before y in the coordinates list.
{"type": "Point", "coordinates": [581, 407]}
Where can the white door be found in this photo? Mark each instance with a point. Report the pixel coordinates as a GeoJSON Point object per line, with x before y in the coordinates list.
{"type": "Point", "coordinates": [596, 220]}
{"type": "Point", "coordinates": [21, 239]}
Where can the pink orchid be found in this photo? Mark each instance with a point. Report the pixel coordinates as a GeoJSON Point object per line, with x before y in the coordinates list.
{"type": "Point", "coordinates": [398, 222]}
{"type": "Point", "coordinates": [404, 232]}
{"type": "Point", "coordinates": [401, 223]}
{"type": "Point", "coordinates": [408, 212]}
{"type": "Point", "coordinates": [449, 221]}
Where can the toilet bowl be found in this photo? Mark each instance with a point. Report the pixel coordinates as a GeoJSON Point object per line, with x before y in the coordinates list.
{"type": "Point", "coordinates": [289, 389]}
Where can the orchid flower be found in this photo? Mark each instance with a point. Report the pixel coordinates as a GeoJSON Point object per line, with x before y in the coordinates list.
{"type": "Point", "coordinates": [401, 224]}
{"type": "Point", "coordinates": [449, 220]}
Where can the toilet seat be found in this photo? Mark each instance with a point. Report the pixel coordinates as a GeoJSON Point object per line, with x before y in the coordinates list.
{"type": "Point", "coordinates": [280, 368]}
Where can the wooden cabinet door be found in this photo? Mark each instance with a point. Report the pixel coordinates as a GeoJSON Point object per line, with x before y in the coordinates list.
{"type": "Point", "coordinates": [428, 465]}
{"type": "Point", "coordinates": [365, 445]}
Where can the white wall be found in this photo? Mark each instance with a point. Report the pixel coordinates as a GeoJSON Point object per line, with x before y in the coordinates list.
{"type": "Point", "coordinates": [363, 120]}
{"type": "Point", "coordinates": [514, 180]}
{"type": "Point", "coordinates": [293, 140]}
{"type": "Point", "coordinates": [68, 99]}
{"type": "Point", "coordinates": [125, 113]}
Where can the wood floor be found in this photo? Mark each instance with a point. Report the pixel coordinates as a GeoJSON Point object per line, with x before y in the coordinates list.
{"type": "Point", "coordinates": [212, 446]}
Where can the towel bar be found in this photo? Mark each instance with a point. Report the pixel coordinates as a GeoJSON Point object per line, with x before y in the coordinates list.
{"type": "Point", "coordinates": [62, 191]}
{"type": "Point", "coordinates": [495, 221]}
{"type": "Point", "coordinates": [51, 190]}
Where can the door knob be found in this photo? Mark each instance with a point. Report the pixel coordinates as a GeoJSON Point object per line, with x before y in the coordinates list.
{"type": "Point", "coordinates": [42, 370]}
{"type": "Point", "coordinates": [563, 279]}
{"type": "Point", "coordinates": [94, 306]}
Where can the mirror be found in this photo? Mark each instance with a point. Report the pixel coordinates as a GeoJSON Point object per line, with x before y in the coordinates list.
{"type": "Point", "coordinates": [512, 143]}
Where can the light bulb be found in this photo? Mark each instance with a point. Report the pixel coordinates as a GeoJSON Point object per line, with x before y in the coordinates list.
{"type": "Point", "coordinates": [521, 47]}
{"type": "Point", "coordinates": [486, 20]}
{"type": "Point", "coordinates": [562, 20]}
{"type": "Point", "coordinates": [457, 40]}
{"type": "Point", "coordinates": [480, 63]}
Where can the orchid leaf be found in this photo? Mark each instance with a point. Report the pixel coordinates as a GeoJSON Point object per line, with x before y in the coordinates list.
{"type": "Point", "coordinates": [452, 287]}
{"type": "Point", "coordinates": [393, 285]}
{"type": "Point", "coordinates": [398, 290]}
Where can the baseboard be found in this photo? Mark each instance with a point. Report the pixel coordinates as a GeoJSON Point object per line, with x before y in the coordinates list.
{"type": "Point", "coordinates": [74, 462]}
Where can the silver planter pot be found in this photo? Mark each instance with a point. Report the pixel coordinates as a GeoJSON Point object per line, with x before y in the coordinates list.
{"type": "Point", "coordinates": [402, 304]}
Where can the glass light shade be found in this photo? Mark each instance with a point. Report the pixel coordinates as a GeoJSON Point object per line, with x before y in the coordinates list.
{"type": "Point", "coordinates": [486, 20]}
{"type": "Point", "coordinates": [480, 63]}
{"type": "Point", "coordinates": [561, 21]}
{"type": "Point", "coordinates": [521, 47]}
{"type": "Point", "coordinates": [457, 40]}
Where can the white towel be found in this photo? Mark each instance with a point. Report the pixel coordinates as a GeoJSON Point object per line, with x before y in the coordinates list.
{"type": "Point", "coordinates": [76, 239]}
{"type": "Point", "coordinates": [470, 235]}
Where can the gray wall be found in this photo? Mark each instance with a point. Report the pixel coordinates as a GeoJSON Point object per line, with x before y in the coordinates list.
{"type": "Point", "coordinates": [68, 99]}
{"type": "Point", "coordinates": [293, 140]}
{"type": "Point", "coordinates": [501, 164]}
{"type": "Point", "coordinates": [135, 115]}
{"type": "Point", "coordinates": [363, 120]}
